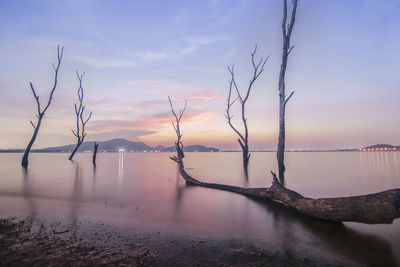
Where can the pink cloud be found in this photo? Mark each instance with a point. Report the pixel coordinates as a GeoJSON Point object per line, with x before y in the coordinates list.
{"type": "Point", "coordinates": [102, 102]}
{"type": "Point", "coordinates": [204, 95]}
{"type": "Point", "coordinates": [126, 134]}
{"type": "Point", "coordinates": [196, 92]}
{"type": "Point", "coordinates": [152, 122]}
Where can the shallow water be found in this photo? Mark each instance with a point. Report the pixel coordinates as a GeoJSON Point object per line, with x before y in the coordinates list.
{"type": "Point", "coordinates": [144, 191]}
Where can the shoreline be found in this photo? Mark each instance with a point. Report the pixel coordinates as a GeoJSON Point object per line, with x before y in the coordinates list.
{"type": "Point", "coordinates": [26, 242]}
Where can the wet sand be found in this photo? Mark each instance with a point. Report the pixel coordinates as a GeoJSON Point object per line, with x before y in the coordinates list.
{"type": "Point", "coordinates": [28, 243]}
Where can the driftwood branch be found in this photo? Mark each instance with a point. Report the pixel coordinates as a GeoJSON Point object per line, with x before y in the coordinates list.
{"type": "Point", "coordinates": [382, 207]}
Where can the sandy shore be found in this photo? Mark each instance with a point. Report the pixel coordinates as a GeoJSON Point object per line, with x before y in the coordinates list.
{"type": "Point", "coordinates": [26, 243]}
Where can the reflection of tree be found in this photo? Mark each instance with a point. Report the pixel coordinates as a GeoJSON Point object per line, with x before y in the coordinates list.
{"type": "Point", "coordinates": [75, 198]}
{"type": "Point", "coordinates": [351, 244]}
{"type": "Point", "coordinates": [27, 194]}
{"type": "Point", "coordinates": [120, 170]}
{"type": "Point", "coordinates": [94, 179]}
{"type": "Point", "coordinates": [180, 188]}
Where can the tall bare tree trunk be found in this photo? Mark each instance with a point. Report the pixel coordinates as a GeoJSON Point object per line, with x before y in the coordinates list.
{"type": "Point", "coordinates": [40, 113]}
{"type": "Point", "coordinates": [286, 33]}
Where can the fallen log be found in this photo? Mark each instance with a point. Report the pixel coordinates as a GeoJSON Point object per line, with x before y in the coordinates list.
{"type": "Point", "coordinates": [382, 207]}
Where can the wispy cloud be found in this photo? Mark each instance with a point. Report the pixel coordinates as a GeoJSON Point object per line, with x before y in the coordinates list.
{"type": "Point", "coordinates": [168, 87]}
{"type": "Point", "coordinates": [204, 95]}
{"type": "Point", "coordinates": [106, 62]}
{"type": "Point", "coordinates": [155, 56]}
{"type": "Point", "coordinates": [194, 42]}
{"type": "Point", "coordinates": [188, 50]}
{"type": "Point", "coordinates": [205, 39]}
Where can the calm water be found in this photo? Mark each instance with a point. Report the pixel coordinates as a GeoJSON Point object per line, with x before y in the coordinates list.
{"type": "Point", "coordinates": [144, 191]}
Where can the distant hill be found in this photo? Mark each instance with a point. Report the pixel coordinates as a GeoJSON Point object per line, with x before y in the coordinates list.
{"type": "Point", "coordinates": [126, 145]}
{"type": "Point", "coordinates": [193, 148]}
{"type": "Point", "coordinates": [380, 147]}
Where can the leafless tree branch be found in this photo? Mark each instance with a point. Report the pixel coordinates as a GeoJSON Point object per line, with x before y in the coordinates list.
{"type": "Point", "coordinates": [287, 99]}
{"type": "Point", "coordinates": [176, 125]}
{"type": "Point", "coordinates": [80, 133]}
{"type": "Point", "coordinates": [258, 68]}
{"type": "Point", "coordinates": [33, 125]}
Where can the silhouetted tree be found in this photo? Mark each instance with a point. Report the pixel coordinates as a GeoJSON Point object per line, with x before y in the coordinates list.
{"type": "Point", "coordinates": [176, 125]}
{"type": "Point", "coordinates": [80, 122]}
{"type": "Point", "coordinates": [287, 48]}
{"type": "Point", "coordinates": [40, 113]}
{"type": "Point", "coordinates": [243, 139]}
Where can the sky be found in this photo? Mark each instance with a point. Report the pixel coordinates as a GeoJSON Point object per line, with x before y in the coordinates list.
{"type": "Point", "coordinates": [344, 69]}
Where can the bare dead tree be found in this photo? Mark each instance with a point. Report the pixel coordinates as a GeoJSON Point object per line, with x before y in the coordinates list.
{"type": "Point", "coordinates": [95, 147]}
{"type": "Point", "coordinates": [283, 100]}
{"type": "Point", "coordinates": [40, 113]}
{"type": "Point", "coordinates": [258, 68]}
{"type": "Point", "coordinates": [176, 125]}
{"type": "Point", "coordinates": [80, 122]}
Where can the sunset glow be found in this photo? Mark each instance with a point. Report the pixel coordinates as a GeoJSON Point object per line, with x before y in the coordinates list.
{"type": "Point", "coordinates": [344, 70]}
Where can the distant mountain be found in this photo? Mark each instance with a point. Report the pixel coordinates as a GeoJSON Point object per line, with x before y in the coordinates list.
{"type": "Point", "coordinates": [380, 147]}
{"type": "Point", "coordinates": [193, 148]}
{"type": "Point", "coordinates": [160, 148]}
{"type": "Point", "coordinates": [126, 145]}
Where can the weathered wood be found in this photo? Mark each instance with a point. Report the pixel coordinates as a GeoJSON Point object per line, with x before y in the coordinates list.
{"type": "Point", "coordinates": [382, 207]}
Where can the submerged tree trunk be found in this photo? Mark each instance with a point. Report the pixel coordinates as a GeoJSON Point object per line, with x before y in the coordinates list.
{"type": "Point", "coordinates": [382, 207]}
{"type": "Point", "coordinates": [78, 144]}
{"type": "Point", "coordinates": [96, 146]}
{"type": "Point", "coordinates": [24, 161]}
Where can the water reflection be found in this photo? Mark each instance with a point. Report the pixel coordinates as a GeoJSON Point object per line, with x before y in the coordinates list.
{"type": "Point", "coordinates": [383, 164]}
{"type": "Point", "coordinates": [180, 187]}
{"type": "Point", "coordinates": [166, 203]}
{"type": "Point", "coordinates": [27, 194]}
{"type": "Point", "coordinates": [120, 169]}
{"type": "Point", "coordinates": [76, 196]}
{"type": "Point", "coordinates": [366, 249]}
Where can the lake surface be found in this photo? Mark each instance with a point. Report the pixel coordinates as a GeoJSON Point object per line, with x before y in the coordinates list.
{"type": "Point", "coordinates": [144, 191]}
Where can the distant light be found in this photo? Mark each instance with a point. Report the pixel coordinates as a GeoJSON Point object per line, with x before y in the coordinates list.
{"type": "Point", "coordinates": [121, 150]}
